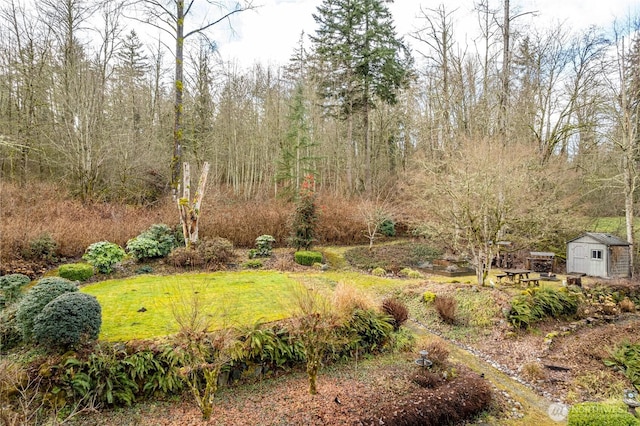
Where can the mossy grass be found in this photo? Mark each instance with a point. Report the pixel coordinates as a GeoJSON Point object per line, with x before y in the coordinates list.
{"type": "Point", "coordinates": [141, 307]}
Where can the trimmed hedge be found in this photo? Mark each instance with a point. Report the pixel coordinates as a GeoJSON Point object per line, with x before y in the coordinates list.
{"type": "Point", "coordinates": [307, 258]}
{"type": "Point", "coordinates": [76, 271]}
{"type": "Point", "coordinates": [67, 320]}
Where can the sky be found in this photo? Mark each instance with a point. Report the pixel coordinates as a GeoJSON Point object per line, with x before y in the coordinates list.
{"type": "Point", "coordinates": [270, 33]}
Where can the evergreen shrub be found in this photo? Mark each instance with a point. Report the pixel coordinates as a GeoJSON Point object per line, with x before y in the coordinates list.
{"type": "Point", "coordinates": [307, 258]}
{"type": "Point", "coordinates": [43, 248]}
{"type": "Point", "coordinates": [157, 241]}
{"type": "Point", "coordinates": [11, 288]}
{"type": "Point", "coordinates": [103, 256]}
{"type": "Point", "coordinates": [264, 246]}
{"type": "Point", "coordinates": [76, 271]}
{"type": "Point", "coordinates": [388, 228]}
{"type": "Point", "coordinates": [305, 218]}
{"type": "Point", "coordinates": [67, 320]}
{"type": "Point", "coordinates": [46, 290]}
{"type": "Point", "coordinates": [10, 335]}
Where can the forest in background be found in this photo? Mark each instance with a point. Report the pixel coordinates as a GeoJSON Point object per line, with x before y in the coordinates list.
{"type": "Point", "coordinates": [513, 135]}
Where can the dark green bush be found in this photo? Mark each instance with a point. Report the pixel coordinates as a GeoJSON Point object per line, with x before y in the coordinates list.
{"type": "Point", "coordinates": [10, 335]}
{"type": "Point", "coordinates": [67, 320]}
{"type": "Point", "coordinates": [305, 219]}
{"type": "Point", "coordinates": [307, 258]}
{"type": "Point", "coordinates": [46, 290]}
{"type": "Point", "coordinates": [388, 228]}
{"type": "Point", "coordinates": [43, 248]}
{"type": "Point", "coordinates": [11, 288]}
{"type": "Point", "coordinates": [599, 414]}
{"type": "Point", "coordinates": [76, 271]}
{"type": "Point", "coordinates": [104, 256]}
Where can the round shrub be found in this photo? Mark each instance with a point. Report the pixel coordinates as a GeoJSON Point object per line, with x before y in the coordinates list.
{"type": "Point", "coordinates": [165, 237]}
{"type": "Point", "coordinates": [103, 255]}
{"type": "Point", "coordinates": [378, 272]}
{"type": "Point", "coordinates": [46, 290]}
{"type": "Point", "coordinates": [67, 320]}
{"type": "Point", "coordinates": [76, 271]}
{"type": "Point", "coordinates": [11, 288]}
{"type": "Point", "coordinates": [143, 248]}
{"type": "Point", "coordinates": [428, 297]}
{"type": "Point", "coordinates": [184, 257]}
{"type": "Point", "coordinates": [43, 248]}
{"type": "Point", "coordinates": [157, 241]}
{"type": "Point", "coordinates": [215, 251]}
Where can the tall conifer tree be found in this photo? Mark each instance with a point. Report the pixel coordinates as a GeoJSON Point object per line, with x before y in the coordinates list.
{"type": "Point", "coordinates": [360, 62]}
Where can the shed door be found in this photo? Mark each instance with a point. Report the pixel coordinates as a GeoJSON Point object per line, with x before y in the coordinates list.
{"type": "Point", "coordinates": [580, 258]}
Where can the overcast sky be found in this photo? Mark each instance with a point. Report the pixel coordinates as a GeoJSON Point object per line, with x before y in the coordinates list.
{"type": "Point", "coordinates": [270, 33]}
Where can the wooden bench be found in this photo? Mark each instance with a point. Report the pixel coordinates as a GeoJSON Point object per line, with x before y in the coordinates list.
{"type": "Point", "coordinates": [501, 276]}
{"type": "Point", "coordinates": [526, 281]}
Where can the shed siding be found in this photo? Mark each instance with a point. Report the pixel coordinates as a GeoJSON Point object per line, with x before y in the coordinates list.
{"type": "Point", "coordinates": [619, 261]}
{"type": "Point", "coordinates": [614, 261]}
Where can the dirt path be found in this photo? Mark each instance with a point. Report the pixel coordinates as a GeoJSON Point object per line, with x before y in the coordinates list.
{"type": "Point", "coordinates": [528, 406]}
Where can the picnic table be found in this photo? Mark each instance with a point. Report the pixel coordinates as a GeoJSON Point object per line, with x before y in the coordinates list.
{"type": "Point", "coordinates": [514, 275]}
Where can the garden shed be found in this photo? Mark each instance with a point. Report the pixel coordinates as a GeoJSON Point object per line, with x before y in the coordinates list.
{"type": "Point", "coordinates": [599, 255]}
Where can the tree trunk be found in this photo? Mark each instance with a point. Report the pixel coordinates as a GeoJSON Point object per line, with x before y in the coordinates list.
{"type": "Point", "coordinates": [176, 160]}
{"type": "Point", "coordinates": [190, 210]}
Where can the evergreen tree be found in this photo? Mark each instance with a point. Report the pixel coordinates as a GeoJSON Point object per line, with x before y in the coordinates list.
{"type": "Point", "coordinates": [361, 62]}
{"type": "Point", "coordinates": [296, 157]}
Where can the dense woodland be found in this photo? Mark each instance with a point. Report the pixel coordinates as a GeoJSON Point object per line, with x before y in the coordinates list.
{"type": "Point", "coordinates": [516, 131]}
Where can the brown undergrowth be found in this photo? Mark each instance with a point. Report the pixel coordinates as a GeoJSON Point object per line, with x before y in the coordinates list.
{"type": "Point", "coordinates": [40, 209]}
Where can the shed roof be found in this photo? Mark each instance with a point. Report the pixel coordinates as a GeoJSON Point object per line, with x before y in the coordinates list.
{"type": "Point", "coordinates": [603, 238]}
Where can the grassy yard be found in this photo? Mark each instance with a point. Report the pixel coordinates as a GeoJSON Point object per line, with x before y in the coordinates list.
{"type": "Point", "coordinates": [230, 299]}
{"type": "Point", "coordinates": [143, 306]}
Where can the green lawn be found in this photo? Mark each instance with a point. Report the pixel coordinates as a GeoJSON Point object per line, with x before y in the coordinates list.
{"type": "Point", "coordinates": [230, 298]}
{"type": "Point", "coordinates": [237, 298]}
{"type": "Point", "coordinates": [613, 225]}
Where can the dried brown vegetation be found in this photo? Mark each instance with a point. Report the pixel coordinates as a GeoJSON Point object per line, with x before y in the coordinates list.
{"type": "Point", "coordinates": [42, 209]}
